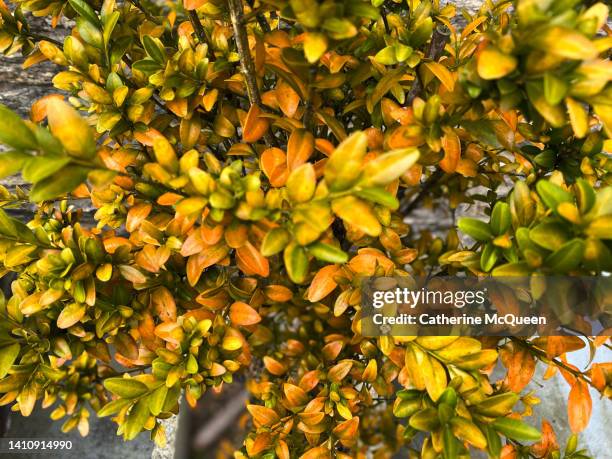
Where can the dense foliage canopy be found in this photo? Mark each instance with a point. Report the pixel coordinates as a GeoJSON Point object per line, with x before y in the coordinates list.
{"type": "Point", "coordinates": [250, 162]}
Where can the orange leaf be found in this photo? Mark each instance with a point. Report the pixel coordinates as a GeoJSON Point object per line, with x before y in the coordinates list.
{"type": "Point", "coordinates": [288, 100]}
{"type": "Point", "coordinates": [38, 111]}
{"type": "Point", "coordinates": [250, 261]}
{"type": "Point", "coordinates": [322, 284]}
{"type": "Point", "coordinates": [178, 106]}
{"type": "Point", "coordinates": [579, 406]}
{"type": "Point", "coordinates": [548, 443]}
{"type": "Point", "coordinates": [295, 395]}
{"type": "Point", "coordinates": [339, 371]}
{"type": "Point", "coordinates": [521, 367]}
{"type": "Point", "coordinates": [452, 152]}
{"type": "Point", "coordinates": [274, 366]}
{"type": "Point", "coordinates": [163, 304]}
{"type": "Point", "coordinates": [255, 126]}
{"type": "Point", "coordinates": [136, 215]}
{"type": "Point", "coordinates": [299, 148]}
{"type": "Point", "coordinates": [273, 164]}
{"type": "Point", "coordinates": [243, 314]}
{"type": "Point", "coordinates": [193, 4]}
{"type": "Point", "coordinates": [347, 431]}
{"type": "Point", "coordinates": [442, 73]}
{"type": "Point", "coordinates": [278, 293]}
{"type": "Point", "coordinates": [263, 416]}
{"type": "Point", "coordinates": [320, 452]}
{"type": "Point", "coordinates": [197, 263]}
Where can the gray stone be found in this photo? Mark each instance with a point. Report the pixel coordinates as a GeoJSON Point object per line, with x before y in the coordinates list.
{"type": "Point", "coordinates": [101, 443]}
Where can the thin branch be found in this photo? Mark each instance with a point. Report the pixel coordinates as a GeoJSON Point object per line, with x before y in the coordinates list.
{"type": "Point", "coordinates": [407, 207]}
{"type": "Point", "coordinates": [246, 61]}
{"type": "Point", "coordinates": [438, 42]}
{"type": "Point", "coordinates": [146, 12]}
{"type": "Point", "coordinates": [40, 37]}
{"type": "Point", "coordinates": [199, 30]}
{"type": "Point", "coordinates": [261, 19]}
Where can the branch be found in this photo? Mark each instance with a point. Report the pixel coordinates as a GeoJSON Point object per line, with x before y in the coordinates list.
{"type": "Point", "coordinates": [146, 12]}
{"type": "Point", "coordinates": [438, 42]}
{"type": "Point", "coordinates": [246, 61]}
{"type": "Point", "coordinates": [40, 37]}
{"type": "Point", "coordinates": [407, 207]}
{"type": "Point", "coordinates": [261, 19]}
{"type": "Point", "coordinates": [199, 30]}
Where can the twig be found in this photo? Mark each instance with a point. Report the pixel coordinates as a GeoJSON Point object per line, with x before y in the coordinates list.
{"type": "Point", "coordinates": [438, 42]}
{"type": "Point", "coordinates": [39, 37]}
{"type": "Point", "coordinates": [407, 207]}
{"type": "Point", "coordinates": [146, 12]}
{"type": "Point", "coordinates": [199, 30]}
{"type": "Point", "coordinates": [246, 61]}
{"type": "Point", "coordinates": [261, 19]}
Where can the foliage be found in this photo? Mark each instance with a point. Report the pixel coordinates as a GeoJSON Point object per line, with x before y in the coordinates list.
{"type": "Point", "coordinates": [250, 163]}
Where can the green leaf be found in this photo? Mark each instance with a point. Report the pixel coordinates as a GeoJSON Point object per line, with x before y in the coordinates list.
{"type": "Point", "coordinates": [18, 255]}
{"type": "Point", "coordinates": [125, 387]}
{"type": "Point", "coordinates": [7, 225]}
{"type": "Point", "coordinates": [497, 405]}
{"type": "Point", "coordinates": [493, 442]}
{"type": "Point", "coordinates": [500, 218]}
{"type": "Point", "coordinates": [296, 263]}
{"type": "Point", "coordinates": [147, 66]}
{"type": "Point", "coordinates": [12, 162]}
{"type": "Point", "coordinates": [136, 419]}
{"type": "Point", "coordinates": [345, 164]}
{"type": "Point", "coordinates": [154, 48]}
{"type": "Point", "coordinates": [379, 196]}
{"type": "Point", "coordinates": [516, 430]}
{"type": "Point", "coordinates": [389, 166]}
{"type": "Point", "coordinates": [405, 408]}
{"type": "Point", "coordinates": [158, 398]}
{"type": "Point", "coordinates": [511, 269]}
{"type": "Point", "coordinates": [450, 445]}
{"type": "Point", "coordinates": [476, 229]}
{"type": "Point", "coordinates": [85, 11]}
{"type": "Point", "coordinates": [552, 194]}
{"type": "Point", "coordinates": [8, 354]}
{"type": "Point", "coordinates": [555, 89]}
{"type": "Point", "coordinates": [14, 132]}
{"type": "Point", "coordinates": [550, 235]}
{"type": "Point", "coordinates": [489, 257]}
{"type": "Point", "coordinates": [327, 252]}
{"type": "Point", "coordinates": [58, 184]}
{"type": "Point", "coordinates": [40, 167]}
{"type": "Point", "coordinates": [567, 257]}
{"type": "Point", "coordinates": [585, 195]}
{"type": "Point", "coordinates": [113, 407]}
{"type": "Point", "coordinates": [274, 241]}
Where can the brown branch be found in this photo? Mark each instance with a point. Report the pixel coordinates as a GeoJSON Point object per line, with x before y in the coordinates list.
{"type": "Point", "coordinates": [436, 46]}
{"type": "Point", "coordinates": [261, 19]}
{"type": "Point", "coordinates": [246, 61]}
{"type": "Point", "coordinates": [199, 30]}
{"type": "Point", "coordinates": [407, 207]}
{"type": "Point", "coordinates": [144, 11]}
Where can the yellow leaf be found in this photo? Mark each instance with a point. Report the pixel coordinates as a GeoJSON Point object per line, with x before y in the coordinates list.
{"type": "Point", "coordinates": [357, 213]}
{"type": "Point", "coordinates": [70, 129]}
{"type": "Point", "coordinates": [442, 73]}
{"type": "Point", "coordinates": [494, 64]}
